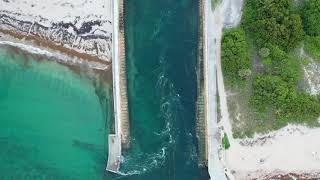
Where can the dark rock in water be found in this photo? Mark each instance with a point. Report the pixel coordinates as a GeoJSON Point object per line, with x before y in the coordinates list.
{"type": "Point", "coordinates": [83, 145]}
{"type": "Point", "coordinates": [87, 146]}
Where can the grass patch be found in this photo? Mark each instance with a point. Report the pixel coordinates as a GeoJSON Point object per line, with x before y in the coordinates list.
{"type": "Point", "coordinates": [312, 46]}
{"type": "Point", "coordinates": [225, 141]}
{"type": "Point", "coordinates": [214, 4]}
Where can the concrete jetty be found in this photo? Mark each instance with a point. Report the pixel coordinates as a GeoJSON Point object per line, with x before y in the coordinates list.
{"type": "Point", "coordinates": [114, 154]}
{"type": "Point", "coordinates": [121, 137]}
{"type": "Point", "coordinates": [201, 118]}
{"type": "Point", "coordinates": [125, 125]}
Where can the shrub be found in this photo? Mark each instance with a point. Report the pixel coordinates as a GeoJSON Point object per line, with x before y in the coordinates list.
{"type": "Point", "coordinates": [311, 17]}
{"type": "Point", "coordinates": [283, 65]}
{"type": "Point", "coordinates": [287, 104]}
{"type": "Point", "coordinates": [225, 141]}
{"type": "Point", "coordinates": [234, 55]}
{"type": "Point", "coordinates": [272, 22]}
{"type": "Point", "coordinates": [264, 52]}
{"type": "Point", "coordinates": [312, 46]}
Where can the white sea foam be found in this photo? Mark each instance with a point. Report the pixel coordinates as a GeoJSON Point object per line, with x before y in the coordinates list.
{"type": "Point", "coordinates": [60, 57]}
{"type": "Point", "coordinates": [170, 106]}
{"type": "Point", "coordinates": [146, 162]}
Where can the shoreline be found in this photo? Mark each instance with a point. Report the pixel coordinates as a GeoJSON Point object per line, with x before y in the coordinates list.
{"type": "Point", "coordinates": [77, 65]}
{"type": "Point", "coordinates": [37, 42]}
{"type": "Point", "coordinates": [67, 26]}
{"type": "Point", "coordinates": [61, 56]}
{"type": "Point", "coordinates": [66, 32]}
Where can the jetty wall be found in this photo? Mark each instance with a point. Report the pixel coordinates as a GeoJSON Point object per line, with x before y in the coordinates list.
{"type": "Point", "coordinates": [201, 118]}
{"type": "Point", "coordinates": [125, 124]}
{"type": "Point", "coordinates": [120, 139]}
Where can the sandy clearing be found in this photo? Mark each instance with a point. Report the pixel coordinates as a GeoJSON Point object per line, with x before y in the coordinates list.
{"type": "Point", "coordinates": [293, 148]}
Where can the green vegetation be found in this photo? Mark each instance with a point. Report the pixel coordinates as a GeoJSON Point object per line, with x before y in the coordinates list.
{"type": "Point", "coordinates": [312, 45]}
{"type": "Point", "coordinates": [282, 65]}
{"type": "Point", "coordinates": [234, 56]}
{"type": "Point", "coordinates": [225, 141]}
{"type": "Point", "coordinates": [288, 105]}
{"type": "Point", "coordinates": [214, 4]}
{"type": "Point", "coordinates": [311, 22]}
{"type": "Point", "coordinates": [270, 98]}
{"type": "Point", "coordinates": [311, 17]}
{"type": "Point", "coordinates": [272, 22]}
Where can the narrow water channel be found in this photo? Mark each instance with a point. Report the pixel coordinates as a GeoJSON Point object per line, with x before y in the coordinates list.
{"type": "Point", "coordinates": [161, 45]}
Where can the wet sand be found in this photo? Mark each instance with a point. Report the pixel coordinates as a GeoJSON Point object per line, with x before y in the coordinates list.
{"type": "Point", "coordinates": [39, 42]}
{"type": "Point", "coordinates": [104, 76]}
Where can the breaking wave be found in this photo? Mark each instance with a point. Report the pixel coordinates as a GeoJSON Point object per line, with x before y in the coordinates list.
{"type": "Point", "coordinates": [60, 57]}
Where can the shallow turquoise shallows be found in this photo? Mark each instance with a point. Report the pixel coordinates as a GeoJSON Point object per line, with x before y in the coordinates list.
{"type": "Point", "coordinates": [52, 124]}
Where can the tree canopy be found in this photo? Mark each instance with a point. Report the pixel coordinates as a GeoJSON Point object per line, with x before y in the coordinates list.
{"type": "Point", "coordinates": [311, 17]}
{"type": "Point", "coordinates": [312, 46]}
{"type": "Point", "coordinates": [235, 60]}
{"type": "Point", "coordinates": [283, 65]}
{"type": "Point", "coordinates": [272, 22]}
{"type": "Point", "coordinates": [275, 89]}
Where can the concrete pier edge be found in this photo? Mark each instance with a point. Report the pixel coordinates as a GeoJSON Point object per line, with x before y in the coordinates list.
{"type": "Point", "coordinates": [121, 137]}
{"type": "Point", "coordinates": [201, 128]}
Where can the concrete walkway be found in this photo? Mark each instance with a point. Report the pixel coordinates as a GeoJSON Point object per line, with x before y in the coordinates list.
{"type": "Point", "coordinates": [114, 154]}
{"type": "Point", "coordinates": [115, 139]}
{"type": "Point", "coordinates": [213, 28]}
{"type": "Point", "coordinates": [226, 14]}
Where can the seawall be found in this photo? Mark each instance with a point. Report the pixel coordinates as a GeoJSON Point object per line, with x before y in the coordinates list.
{"type": "Point", "coordinates": [201, 99]}
{"type": "Point", "coordinates": [120, 139]}
{"type": "Point", "coordinates": [125, 124]}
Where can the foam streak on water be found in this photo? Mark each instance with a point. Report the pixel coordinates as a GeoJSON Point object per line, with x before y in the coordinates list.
{"type": "Point", "coordinates": [61, 57]}
{"type": "Point", "coordinates": [161, 41]}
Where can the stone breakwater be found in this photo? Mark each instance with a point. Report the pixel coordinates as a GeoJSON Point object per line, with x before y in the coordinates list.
{"type": "Point", "coordinates": [86, 38]}
{"type": "Point", "coordinates": [201, 127]}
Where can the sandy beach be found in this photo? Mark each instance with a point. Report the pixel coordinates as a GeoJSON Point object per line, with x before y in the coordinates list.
{"type": "Point", "coordinates": [292, 149]}
{"type": "Point", "coordinates": [80, 28]}
{"type": "Point", "coordinates": [75, 33]}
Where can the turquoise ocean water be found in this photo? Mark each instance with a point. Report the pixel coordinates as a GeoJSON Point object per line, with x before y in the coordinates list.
{"type": "Point", "coordinates": [52, 124]}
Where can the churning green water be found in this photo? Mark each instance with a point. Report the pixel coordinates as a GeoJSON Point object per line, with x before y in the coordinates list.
{"type": "Point", "coordinates": [161, 44]}
{"type": "Point", "coordinates": [52, 124]}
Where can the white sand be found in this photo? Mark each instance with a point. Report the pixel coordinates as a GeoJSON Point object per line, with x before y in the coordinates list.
{"type": "Point", "coordinates": [61, 10]}
{"type": "Point", "coordinates": [87, 37]}
{"type": "Point", "coordinates": [290, 149]}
